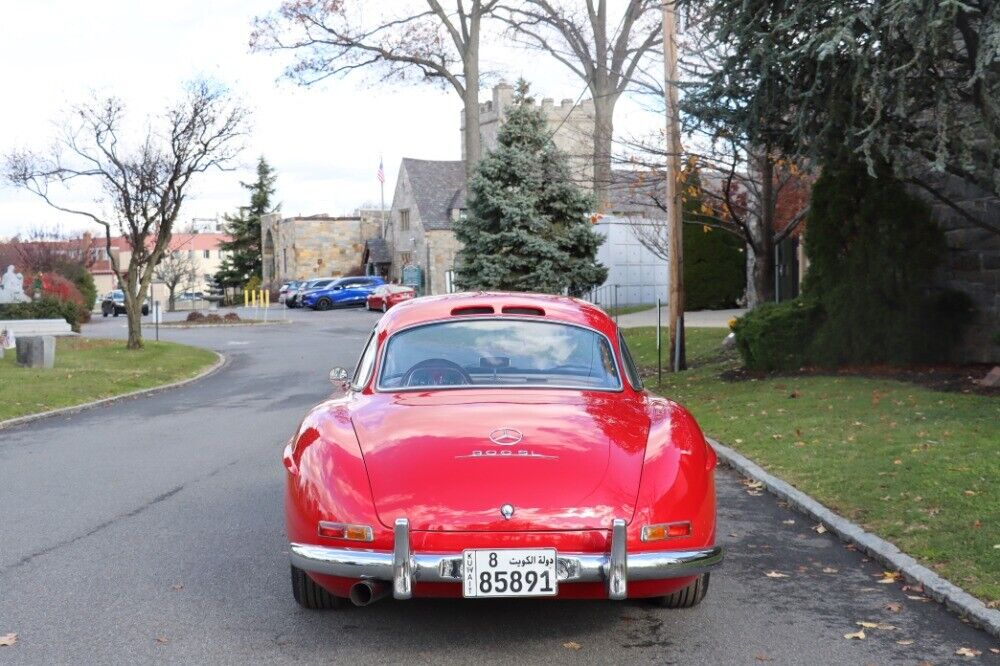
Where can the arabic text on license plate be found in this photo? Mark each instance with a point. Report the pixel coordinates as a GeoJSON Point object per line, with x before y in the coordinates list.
{"type": "Point", "coordinates": [509, 573]}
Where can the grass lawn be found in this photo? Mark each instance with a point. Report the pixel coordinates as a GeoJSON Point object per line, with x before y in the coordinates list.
{"type": "Point", "coordinates": [627, 309]}
{"type": "Point", "coordinates": [90, 369]}
{"type": "Point", "coordinates": [919, 467]}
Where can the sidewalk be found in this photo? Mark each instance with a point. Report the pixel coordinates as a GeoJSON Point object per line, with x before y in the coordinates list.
{"type": "Point", "coordinates": [699, 318]}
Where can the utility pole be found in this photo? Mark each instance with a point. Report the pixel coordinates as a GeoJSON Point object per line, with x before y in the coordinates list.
{"type": "Point", "coordinates": [675, 316]}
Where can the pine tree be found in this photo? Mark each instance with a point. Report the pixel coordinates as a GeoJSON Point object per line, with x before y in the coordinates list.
{"type": "Point", "coordinates": [528, 227]}
{"type": "Point", "coordinates": [243, 253]}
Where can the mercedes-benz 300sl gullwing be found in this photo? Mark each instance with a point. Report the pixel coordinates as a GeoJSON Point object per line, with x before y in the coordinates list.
{"type": "Point", "coordinates": [498, 445]}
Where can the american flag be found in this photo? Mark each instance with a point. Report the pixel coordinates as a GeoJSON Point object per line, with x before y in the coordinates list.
{"type": "Point", "coordinates": [381, 173]}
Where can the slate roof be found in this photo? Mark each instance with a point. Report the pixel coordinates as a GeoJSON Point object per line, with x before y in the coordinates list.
{"type": "Point", "coordinates": [377, 251]}
{"type": "Point", "coordinates": [438, 187]}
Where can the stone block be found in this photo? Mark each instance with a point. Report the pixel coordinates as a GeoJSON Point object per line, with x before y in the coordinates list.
{"type": "Point", "coordinates": [36, 351]}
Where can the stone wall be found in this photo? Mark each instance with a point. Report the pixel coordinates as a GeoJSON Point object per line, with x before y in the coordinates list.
{"type": "Point", "coordinates": [315, 246]}
{"type": "Point", "coordinates": [972, 265]}
{"type": "Point", "coordinates": [442, 246]}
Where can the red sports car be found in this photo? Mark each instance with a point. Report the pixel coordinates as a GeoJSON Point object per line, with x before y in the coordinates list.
{"type": "Point", "coordinates": [498, 445]}
{"type": "Point", "coordinates": [388, 295]}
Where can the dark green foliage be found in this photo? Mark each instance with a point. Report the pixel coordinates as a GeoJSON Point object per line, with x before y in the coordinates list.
{"type": "Point", "coordinates": [903, 82]}
{"type": "Point", "coordinates": [777, 336]}
{"type": "Point", "coordinates": [243, 259]}
{"type": "Point", "coordinates": [714, 268]}
{"type": "Point", "coordinates": [528, 226]}
{"type": "Point", "coordinates": [46, 307]}
{"type": "Point", "coordinates": [873, 249]}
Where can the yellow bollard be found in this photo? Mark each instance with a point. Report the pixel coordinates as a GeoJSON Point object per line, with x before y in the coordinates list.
{"type": "Point", "coordinates": [246, 298]}
{"type": "Point", "coordinates": [267, 299]}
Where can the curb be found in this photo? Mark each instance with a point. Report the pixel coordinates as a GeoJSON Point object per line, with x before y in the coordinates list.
{"type": "Point", "coordinates": [244, 325]}
{"type": "Point", "coordinates": [935, 587]}
{"type": "Point", "coordinates": [72, 409]}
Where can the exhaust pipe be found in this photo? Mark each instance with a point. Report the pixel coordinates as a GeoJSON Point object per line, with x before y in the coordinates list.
{"type": "Point", "coordinates": [367, 592]}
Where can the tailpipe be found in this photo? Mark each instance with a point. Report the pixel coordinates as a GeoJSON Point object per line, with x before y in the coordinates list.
{"type": "Point", "coordinates": [367, 592]}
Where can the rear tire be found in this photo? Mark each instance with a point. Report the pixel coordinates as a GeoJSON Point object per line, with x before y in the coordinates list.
{"type": "Point", "coordinates": [310, 595]}
{"type": "Point", "coordinates": [688, 597]}
{"type": "Point", "coordinates": [324, 304]}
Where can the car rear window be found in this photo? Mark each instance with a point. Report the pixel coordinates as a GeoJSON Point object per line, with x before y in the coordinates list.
{"type": "Point", "coordinates": [503, 353]}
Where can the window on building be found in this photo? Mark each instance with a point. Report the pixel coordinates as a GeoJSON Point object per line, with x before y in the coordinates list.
{"type": "Point", "coordinates": [206, 254]}
{"type": "Point", "coordinates": [405, 258]}
{"type": "Point", "coordinates": [404, 219]}
{"type": "Point", "coordinates": [190, 254]}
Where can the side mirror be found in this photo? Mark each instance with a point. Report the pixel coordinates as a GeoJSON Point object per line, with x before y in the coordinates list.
{"type": "Point", "coordinates": [339, 378]}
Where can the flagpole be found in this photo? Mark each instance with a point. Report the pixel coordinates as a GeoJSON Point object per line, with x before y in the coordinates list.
{"type": "Point", "coordinates": [382, 191]}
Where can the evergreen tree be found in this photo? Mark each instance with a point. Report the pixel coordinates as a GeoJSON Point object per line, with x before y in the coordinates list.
{"type": "Point", "coordinates": [528, 227]}
{"type": "Point", "coordinates": [243, 259]}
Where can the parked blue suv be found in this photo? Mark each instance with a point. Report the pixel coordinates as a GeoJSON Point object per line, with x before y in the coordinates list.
{"type": "Point", "coordinates": [342, 292]}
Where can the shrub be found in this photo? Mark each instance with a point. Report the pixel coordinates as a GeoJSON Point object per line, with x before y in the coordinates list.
{"type": "Point", "coordinates": [213, 319]}
{"type": "Point", "coordinates": [778, 336]}
{"type": "Point", "coordinates": [195, 316]}
{"type": "Point", "coordinates": [231, 316]}
{"type": "Point", "coordinates": [714, 268]}
{"type": "Point", "coordinates": [46, 307]}
{"type": "Point", "coordinates": [82, 279]}
{"type": "Point", "coordinates": [872, 251]}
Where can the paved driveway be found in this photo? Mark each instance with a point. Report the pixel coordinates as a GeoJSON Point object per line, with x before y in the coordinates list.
{"type": "Point", "coordinates": [702, 318]}
{"type": "Point", "coordinates": [151, 530]}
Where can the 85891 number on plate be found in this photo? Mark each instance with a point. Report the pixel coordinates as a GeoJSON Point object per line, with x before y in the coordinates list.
{"type": "Point", "coordinates": [509, 572]}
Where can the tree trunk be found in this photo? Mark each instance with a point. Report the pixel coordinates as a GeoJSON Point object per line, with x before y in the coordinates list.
{"type": "Point", "coordinates": [133, 309]}
{"type": "Point", "coordinates": [604, 109]}
{"type": "Point", "coordinates": [760, 252]}
{"type": "Point", "coordinates": [470, 98]}
{"type": "Point", "coordinates": [171, 300]}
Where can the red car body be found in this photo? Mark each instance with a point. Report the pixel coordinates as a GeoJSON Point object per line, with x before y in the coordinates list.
{"type": "Point", "coordinates": [388, 295]}
{"type": "Point", "coordinates": [395, 461]}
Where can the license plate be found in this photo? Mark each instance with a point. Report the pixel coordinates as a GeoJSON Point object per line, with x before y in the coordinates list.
{"type": "Point", "coordinates": [509, 573]}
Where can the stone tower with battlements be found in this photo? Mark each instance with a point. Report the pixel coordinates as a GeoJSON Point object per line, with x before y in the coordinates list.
{"type": "Point", "coordinates": [573, 125]}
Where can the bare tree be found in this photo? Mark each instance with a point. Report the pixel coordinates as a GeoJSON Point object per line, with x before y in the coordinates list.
{"type": "Point", "coordinates": [176, 269]}
{"type": "Point", "coordinates": [578, 37]}
{"type": "Point", "coordinates": [44, 249]}
{"type": "Point", "coordinates": [413, 39]}
{"type": "Point", "coordinates": [142, 186]}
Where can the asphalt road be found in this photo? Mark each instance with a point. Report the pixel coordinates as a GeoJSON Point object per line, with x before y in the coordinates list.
{"type": "Point", "coordinates": [151, 530]}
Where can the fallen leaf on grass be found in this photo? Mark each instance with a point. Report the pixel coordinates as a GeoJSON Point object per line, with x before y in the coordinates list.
{"type": "Point", "coordinates": [894, 607]}
{"type": "Point", "coordinates": [572, 646]}
{"type": "Point", "coordinates": [913, 588]}
{"type": "Point", "coordinates": [7, 640]}
{"type": "Point", "coordinates": [819, 528]}
{"type": "Point", "coordinates": [967, 652]}
{"type": "Point", "coordinates": [857, 635]}
{"type": "Point", "coordinates": [776, 574]}
{"type": "Point", "coordinates": [905, 641]}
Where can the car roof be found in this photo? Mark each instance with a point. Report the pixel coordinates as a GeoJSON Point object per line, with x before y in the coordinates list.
{"type": "Point", "coordinates": [546, 307]}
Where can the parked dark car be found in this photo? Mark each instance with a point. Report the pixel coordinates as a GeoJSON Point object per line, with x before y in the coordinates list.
{"type": "Point", "coordinates": [344, 292]}
{"type": "Point", "coordinates": [293, 299]}
{"type": "Point", "coordinates": [113, 304]}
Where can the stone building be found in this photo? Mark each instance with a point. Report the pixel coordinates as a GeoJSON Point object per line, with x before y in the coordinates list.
{"type": "Point", "coordinates": [430, 194]}
{"type": "Point", "coordinates": [303, 247]}
{"type": "Point", "coordinates": [572, 124]}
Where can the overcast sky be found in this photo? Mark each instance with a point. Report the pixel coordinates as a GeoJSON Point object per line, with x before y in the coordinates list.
{"type": "Point", "coordinates": [324, 141]}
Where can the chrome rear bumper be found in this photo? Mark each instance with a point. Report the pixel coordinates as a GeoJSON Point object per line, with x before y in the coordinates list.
{"type": "Point", "coordinates": [403, 567]}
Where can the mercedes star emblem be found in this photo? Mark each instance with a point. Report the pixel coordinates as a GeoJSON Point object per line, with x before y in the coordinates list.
{"type": "Point", "coordinates": [506, 436]}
